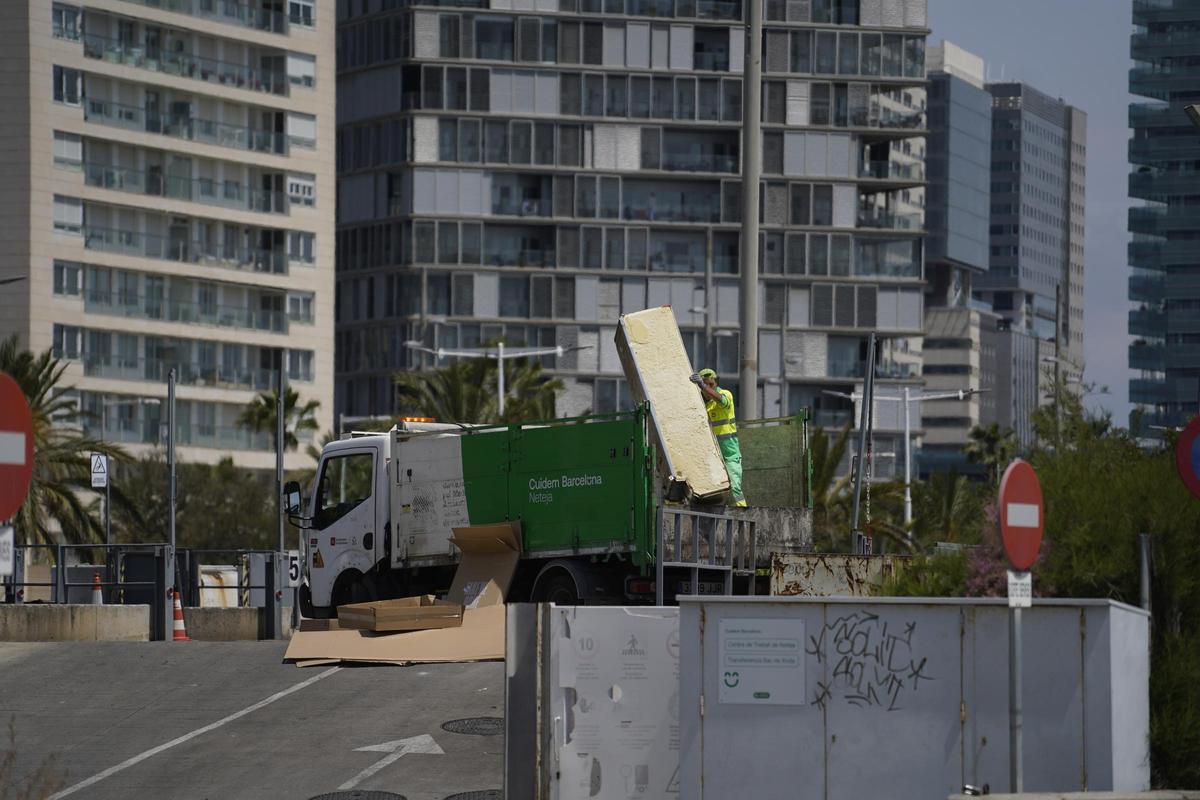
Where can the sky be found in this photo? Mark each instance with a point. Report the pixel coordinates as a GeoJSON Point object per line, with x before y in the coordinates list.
{"type": "Point", "coordinates": [1077, 50]}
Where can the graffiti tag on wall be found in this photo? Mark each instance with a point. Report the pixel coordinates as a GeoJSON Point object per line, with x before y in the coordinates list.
{"type": "Point", "coordinates": [872, 664]}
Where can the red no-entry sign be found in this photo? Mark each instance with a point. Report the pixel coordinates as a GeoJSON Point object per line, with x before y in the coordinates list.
{"type": "Point", "coordinates": [1021, 514]}
{"type": "Point", "coordinates": [1187, 456]}
{"type": "Point", "coordinates": [16, 447]}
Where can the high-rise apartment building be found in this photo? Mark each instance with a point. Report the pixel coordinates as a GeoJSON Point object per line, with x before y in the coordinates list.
{"type": "Point", "coordinates": [1039, 148]}
{"type": "Point", "coordinates": [1165, 248]}
{"type": "Point", "coordinates": [959, 168]}
{"type": "Point", "coordinates": [168, 203]}
{"type": "Point", "coordinates": [529, 171]}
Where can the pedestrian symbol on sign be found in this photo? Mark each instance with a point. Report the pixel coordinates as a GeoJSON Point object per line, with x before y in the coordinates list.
{"type": "Point", "coordinates": [99, 470]}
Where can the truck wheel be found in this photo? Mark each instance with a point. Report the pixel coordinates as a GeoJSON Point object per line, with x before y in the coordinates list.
{"type": "Point", "coordinates": [559, 589]}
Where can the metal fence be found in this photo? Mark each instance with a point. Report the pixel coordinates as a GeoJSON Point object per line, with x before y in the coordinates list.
{"type": "Point", "coordinates": [700, 542]}
{"type": "Point", "coordinates": [140, 574]}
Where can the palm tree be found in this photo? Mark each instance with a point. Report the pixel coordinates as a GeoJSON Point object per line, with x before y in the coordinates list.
{"type": "Point", "coordinates": [992, 447]}
{"type": "Point", "coordinates": [829, 493]}
{"type": "Point", "coordinates": [466, 391]}
{"type": "Point", "coordinates": [259, 416]}
{"type": "Point", "coordinates": [948, 509]}
{"type": "Point", "coordinates": [57, 507]}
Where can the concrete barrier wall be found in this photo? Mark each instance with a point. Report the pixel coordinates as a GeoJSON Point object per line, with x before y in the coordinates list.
{"type": "Point", "coordinates": [231, 624]}
{"type": "Point", "coordinates": [1165, 794]}
{"type": "Point", "coordinates": [74, 623]}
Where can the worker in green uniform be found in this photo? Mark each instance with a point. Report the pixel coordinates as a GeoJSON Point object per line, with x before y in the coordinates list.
{"type": "Point", "coordinates": [718, 403]}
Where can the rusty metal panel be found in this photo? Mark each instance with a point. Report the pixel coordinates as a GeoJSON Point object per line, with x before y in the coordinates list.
{"type": "Point", "coordinates": [831, 574]}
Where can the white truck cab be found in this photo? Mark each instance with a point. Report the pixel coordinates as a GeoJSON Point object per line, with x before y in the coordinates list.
{"type": "Point", "coordinates": [348, 534]}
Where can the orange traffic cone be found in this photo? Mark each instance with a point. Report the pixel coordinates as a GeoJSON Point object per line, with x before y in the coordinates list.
{"type": "Point", "coordinates": [97, 590]}
{"type": "Point", "coordinates": [180, 634]}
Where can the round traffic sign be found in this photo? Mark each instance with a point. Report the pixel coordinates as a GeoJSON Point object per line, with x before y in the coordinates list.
{"type": "Point", "coordinates": [1187, 456]}
{"type": "Point", "coordinates": [16, 447]}
{"type": "Point", "coordinates": [1021, 514]}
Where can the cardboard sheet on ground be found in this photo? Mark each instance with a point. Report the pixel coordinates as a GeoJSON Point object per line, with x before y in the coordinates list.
{"type": "Point", "coordinates": [489, 561]}
{"type": "Point", "coordinates": [657, 367]}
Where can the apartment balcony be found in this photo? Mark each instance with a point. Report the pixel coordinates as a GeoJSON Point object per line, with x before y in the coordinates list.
{"type": "Point", "coordinates": [1145, 46]}
{"type": "Point", "coordinates": [700, 162]}
{"type": "Point", "coordinates": [1161, 253]}
{"type": "Point", "coordinates": [1152, 186]}
{"type": "Point", "coordinates": [1147, 322]}
{"type": "Point", "coordinates": [833, 419]}
{"type": "Point", "coordinates": [893, 172]}
{"type": "Point", "coordinates": [1182, 320]}
{"type": "Point", "coordinates": [170, 248]}
{"type": "Point", "coordinates": [1148, 11]}
{"type": "Point", "coordinates": [186, 65]}
{"type": "Point", "coordinates": [1147, 287]}
{"type": "Point", "coordinates": [186, 374]}
{"type": "Point", "coordinates": [191, 129]}
{"type": "Point", "coordinates": [884, 369]}
{"type": "Point", "coordinates": [1148, 357]}
{"type": "Point", "coordinates": [884, 220]}
{"type": "Point", "coordinates": [1161, 220]}
{"type": "Point", "coordinates": [1148, 391]}
{"type": "Point", "coordinates": [225, 194]}
{"type": "Point", "coordinates": [145, 431]}
{"type": "Point", "coordinates": [168, 310]}
{"type": "Point", "coordinates": [229, 12]}
{"type": "Point", "coordinates": [1154, 150]}
{"type": "Point", "coordinates": [1157, 115]}
{"type": "Point", "coordinates": [1161, 79]}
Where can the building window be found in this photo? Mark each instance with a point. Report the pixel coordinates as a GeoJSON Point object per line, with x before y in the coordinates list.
{"type": "Point", "coordinates": [300, 246]}
{"type": "Point", "coordinates": [66, 278]}
{"type": "Point", "coordinates": [300, 307]}
{"type": "Point", "coordinates": [302, 189]}
{"type": "Point", "coordinates": [68, 150]}
{"type": "Point", "coordinates": [68, 214]}
{"type": "Point", "coordinates": [66, 22]}
{"type": "Point", "coordinates": [302, 12]}
{"type": "Point", "coordinates": [67, 85]}
{"type": "Point", "coordinates": [300, 365]}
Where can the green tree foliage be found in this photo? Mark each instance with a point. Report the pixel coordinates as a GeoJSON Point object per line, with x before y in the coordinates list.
{"type": "Point", "coordinates": [259, 416]}
{"type": "Point", "coordinates": [947, 508]}
{"type": "Point", "coordinates": [466, 391]}
{"type": "Point", "coordinates": [992, 447]}
{"type": "Point", "coordinates": [61, 506]}
{"type": "Point", "coordinates": [217, 506]}
{"type": "Point", "coordinates": [1101, 489]}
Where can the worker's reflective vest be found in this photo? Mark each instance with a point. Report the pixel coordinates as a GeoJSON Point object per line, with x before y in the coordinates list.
{"type": "Point", "coordinates": [721, 416]}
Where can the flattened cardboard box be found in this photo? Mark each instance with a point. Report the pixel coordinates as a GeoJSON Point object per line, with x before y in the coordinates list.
{"type": "Point", "coordinates": [489, 561]}
{"type": "Point", "coordinates": [406, 614]}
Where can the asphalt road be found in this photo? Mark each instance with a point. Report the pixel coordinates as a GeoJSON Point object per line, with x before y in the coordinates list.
{"type": "Point", "coordinates": [227, 720]}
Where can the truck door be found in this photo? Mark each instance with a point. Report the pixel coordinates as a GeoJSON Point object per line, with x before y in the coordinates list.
{"type": "Point", "coordinates": [343, 534]}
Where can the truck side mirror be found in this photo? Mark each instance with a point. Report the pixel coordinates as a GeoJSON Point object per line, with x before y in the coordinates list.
{"type": "Point", "coordinates": [291, 497]}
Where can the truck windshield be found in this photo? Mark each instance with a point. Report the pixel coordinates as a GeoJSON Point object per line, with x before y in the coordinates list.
{"type": "Point", "coordinates": [345, 483]}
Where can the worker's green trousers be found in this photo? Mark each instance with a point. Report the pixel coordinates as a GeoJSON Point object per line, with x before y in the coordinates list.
{"type": "Point", "coordinates": [732, 453]}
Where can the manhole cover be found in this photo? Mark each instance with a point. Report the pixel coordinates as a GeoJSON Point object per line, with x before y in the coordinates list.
{"type": "Point", "coordinates": [486, 794]}
{"type": "Point", "coordinates": [475, 726]}
{"type": "Point", "coordinates": [357, 795]}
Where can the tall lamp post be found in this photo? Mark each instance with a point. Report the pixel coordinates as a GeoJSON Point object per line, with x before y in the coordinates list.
{"type": "Point", "coordinates": [499, 354]}
{"type": "Point", "coordinates": [907, 400]}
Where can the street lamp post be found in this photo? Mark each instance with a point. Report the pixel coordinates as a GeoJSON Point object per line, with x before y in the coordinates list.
{"type": "Point", "coordinates": [499, 353]}
{"type": "Point", "coordinates": [907, 399]}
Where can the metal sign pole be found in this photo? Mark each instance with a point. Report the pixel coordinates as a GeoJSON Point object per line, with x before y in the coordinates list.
{"type": "Point", "coordinates": [1016, 761]}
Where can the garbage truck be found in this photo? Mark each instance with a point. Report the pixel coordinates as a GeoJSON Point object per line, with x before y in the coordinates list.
{"type": "Point", "coordinates": [588, 493]}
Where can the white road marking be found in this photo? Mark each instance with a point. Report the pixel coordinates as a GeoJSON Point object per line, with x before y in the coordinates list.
{"type": "Point", "coordinates": [12, 447]}
{"type": "Point", "coordinates": [415, 744]}
{"type": "Point", "coordinates": [140, 757]}
{"type": "Point", "coordinates": [1022, 515]}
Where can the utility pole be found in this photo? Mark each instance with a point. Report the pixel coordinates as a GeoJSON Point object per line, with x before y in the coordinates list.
{"type": "Point", "coordinates": [280, 388]}
{"type": "Point", "coordinates": [171, 474]}
{"type": "Point", "coordinates": [751, 173]}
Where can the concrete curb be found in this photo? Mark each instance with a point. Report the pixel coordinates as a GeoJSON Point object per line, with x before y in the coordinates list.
{"type": "Point", "coordinates": [36, 622]}
{"type": "Point", "coordinates": [1163, 794]}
